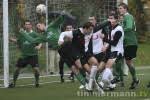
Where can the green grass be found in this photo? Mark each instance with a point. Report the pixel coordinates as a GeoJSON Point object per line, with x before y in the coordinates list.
{"type": "Point", "coordinates": [69, 90]}
{"type": "Point", "coordinates": [143, 55]}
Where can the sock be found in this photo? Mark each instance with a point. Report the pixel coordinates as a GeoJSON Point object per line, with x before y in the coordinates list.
{"type": "Point", "coordinates": [72, 74]}
{"type": "Point", "coordinates": [101, 83]}
{"type": "Point", "coordinates": [133, 72]}
{"type": "Point", "coordinates": [80, 78]}
{"type": "Point", "coordinates": [82, 71]}
{"type": "Point", "coordinates": [36, 74]}
{"type": "Point", "coordinates": [16, 74]}
{"type": "Point", "coordinates": [97, 75]}
{"type": "Point", "coordinates": [92, 76]}
{"type": "Point", "coordinates": [119, 68]}
{"type": "Point", "coordinates": [106, 76]}
{"type": "Point", "coordinates": [61, 68]}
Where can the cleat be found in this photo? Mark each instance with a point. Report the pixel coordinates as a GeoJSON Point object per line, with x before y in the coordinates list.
{"type": "Point", "coordinates": [62, 80]}
{"type": "Point", "coordinates": [148, 85]}
{"type": "Point", "coordinates": [81, 87]}
{"type": "Point", "coordinates": [71, 78]}
{"type": "Point", "coordinates": [11, 85]}
{"type": "Point", "coordinates": [115, 80]}
{"type": "Point", "coordinates": [99, 88]}
{"type": "Point", "coordinates": [87, 88]}
{"type": "Point", "coordinates": [134, 84]}
{"type": "Point", "coordinates": [37, 85]}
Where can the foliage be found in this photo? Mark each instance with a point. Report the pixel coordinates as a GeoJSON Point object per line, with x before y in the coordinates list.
{"type": "Point", "coordinates": [136, 8]}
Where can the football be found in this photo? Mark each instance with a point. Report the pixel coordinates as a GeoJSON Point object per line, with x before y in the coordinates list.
{"type": "Point", "coordinates": [41, 9]}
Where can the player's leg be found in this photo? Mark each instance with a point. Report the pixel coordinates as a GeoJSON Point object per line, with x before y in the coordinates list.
{"type": "Point", "coordinates": [119, 70]}
{"type": "Point", "coordinates": [33, 61]}
{"type": "Point", "coordinates": [36, 75]}
{"type": "Point", "coordinates": [21, 63]}
{"type": "Point", "coordinates": [107, 75]}
{"type": "Point", "coordinates": [71, 77]}
{"type": "Point", "coordinates": [130, 53]}
{"type": "Point", "coordinates": [78, 75]}
{"type": "Point", "coordinates": [94, 64]}
{"type": "Point", "coordinates": [102, 61]}
{"type": "Point", "coordinates": [61, 69]}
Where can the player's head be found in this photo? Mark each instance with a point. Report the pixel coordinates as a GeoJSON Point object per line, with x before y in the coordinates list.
{"type": "Point", "coordinates": [28, 25]}
{"type": "Point", "coordinates": [40, 27]}
{"type": "Point", "coordinates": [92, 19]}
{"type": "Point", "coordinates": [113, 19]}
{"type": "Point", "coordinates": [88, 28]}
{"type": "Point", "coordinates": [68, 27]}
{"type": "Point", "coordinates": [122, 8]}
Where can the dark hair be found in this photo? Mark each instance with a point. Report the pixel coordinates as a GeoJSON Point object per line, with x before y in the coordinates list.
{"type": "Point", "coordinates": [87, 25]}
{"type": "Point", "coordinates": [114, 15]}
{"type": "Point", "coordinates": [125, 6]}
{"type": "Point", "coordinates": [27, 21]}
{"type": "Point", "coordinates": [93, 16]}
{"type": "Point", "coordinates": [64, 26]}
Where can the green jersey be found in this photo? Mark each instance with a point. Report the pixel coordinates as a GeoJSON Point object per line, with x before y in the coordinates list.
{"type": "Point", "coordinates": [27, 48]}
{"type": "Point", "coordinates": [129, 30]}
{"type": "Point", "coordinates": [51, 35]}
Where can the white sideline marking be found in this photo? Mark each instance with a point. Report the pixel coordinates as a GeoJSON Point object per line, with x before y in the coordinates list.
{"type": "Point", "coordinates": [39, 83]}
{"type": "Point", "coordinates": [40, 76]}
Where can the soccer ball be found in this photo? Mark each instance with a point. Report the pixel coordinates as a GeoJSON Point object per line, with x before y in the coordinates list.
{"type": "Point", "coordinates": [41, 9]}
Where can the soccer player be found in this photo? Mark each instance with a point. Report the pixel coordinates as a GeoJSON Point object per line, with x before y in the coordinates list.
{"type": "Point", "coordinates": [96, 47]}
{"type": "Point", "coordinates": [77, 48]}
{"type": "Point", "coordinates": [29, 53]}
{"type": "Point", "coordinates": [115, 41]}
{"type": "Point", "coordinates": [68, 27]}
{"type": "Point", "coordinates": [130, 41]}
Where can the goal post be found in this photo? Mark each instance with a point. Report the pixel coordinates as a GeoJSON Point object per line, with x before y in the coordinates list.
{"type": "Point", "coordinates": [5, 43]}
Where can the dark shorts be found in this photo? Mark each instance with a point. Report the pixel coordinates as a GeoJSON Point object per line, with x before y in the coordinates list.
{"type": "Point", "coordinates": [100, 57]}
{"type": "Point", "coordinates": [66, 53]}
{"type": "Point", "coordinates": [130, 52]}
{"type": "Point", "coordinates": [67, 61]}
{"type": "Point", "coordinates": [30, 60]}
{"type": "Point", "coordinates": [64, 50]}
{"type": "Point", "coordinates": [113, 55]}
{"type": "Point", "coordinates": [84, 59]}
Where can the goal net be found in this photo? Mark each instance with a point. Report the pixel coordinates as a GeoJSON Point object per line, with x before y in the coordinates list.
{"type": "Point", "coordinates": [20, 10]}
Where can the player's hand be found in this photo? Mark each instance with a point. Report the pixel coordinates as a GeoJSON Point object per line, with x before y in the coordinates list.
{"type": "Point", "coordinates": [38, 47]}
{"type": "Point", "coordinates": [12, 39]}
{"type": "Point", "coordinates": [104, 49]}
{"type": "Point", "coordinates": [102, 36]}
{"type": "Point", "coordinates": [60, 43]}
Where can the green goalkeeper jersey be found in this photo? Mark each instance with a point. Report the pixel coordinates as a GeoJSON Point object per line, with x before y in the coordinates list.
{"type": "Point", "coordinates": [27, 48]}
{"type": "Point", "coordinates": [129, 30]}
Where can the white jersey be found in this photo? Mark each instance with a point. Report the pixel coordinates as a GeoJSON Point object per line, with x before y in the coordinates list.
{"type": "Point", "coordinates": [70, 34]}
{"type": "Point", "coordinates": [97, 42]}
{"type": "Point", "coordinates": [87, 40]}
{"type": "Point", "coordinates": [119, 46]}
{"type": "Point", "coordinates": [63, 34]}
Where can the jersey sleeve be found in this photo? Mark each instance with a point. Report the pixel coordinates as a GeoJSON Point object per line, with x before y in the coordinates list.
{"type": "Point", "coordinates": [128, 24]}
{"type": "Point", "coordinates": [65, 34]}
{"type": "Point", "coordinates": [38, 39]}
{"type": "Point", "coordinates": [116, 38]}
